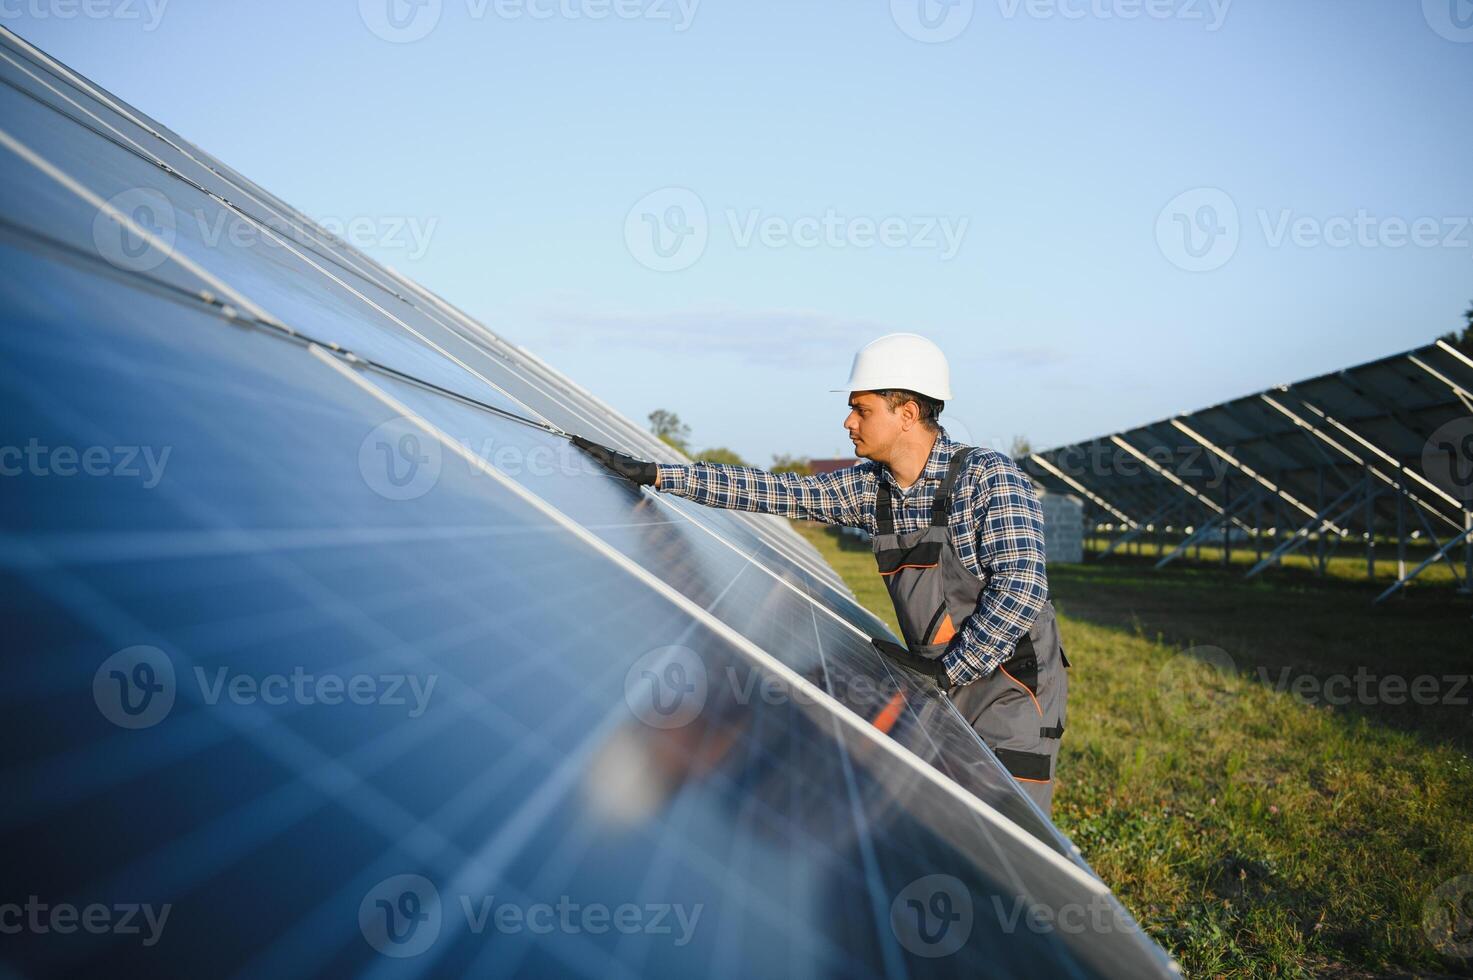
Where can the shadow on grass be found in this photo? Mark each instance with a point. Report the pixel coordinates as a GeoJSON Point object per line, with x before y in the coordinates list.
{"type": "Point", "coordinates": [1405, 664]}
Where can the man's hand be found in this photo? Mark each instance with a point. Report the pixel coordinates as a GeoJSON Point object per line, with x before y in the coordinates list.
{"type": "Point", "coordinates": [638, 471]}
{"type": "Point", "coordinates": [934, 669]}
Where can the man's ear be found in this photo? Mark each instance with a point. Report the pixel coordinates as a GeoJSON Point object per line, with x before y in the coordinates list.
{"type": "Point", "coordinates": [910, 414]}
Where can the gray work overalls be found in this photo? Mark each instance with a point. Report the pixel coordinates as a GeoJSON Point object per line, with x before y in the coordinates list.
{"type": "Point", "coordinates": [1018, 709]}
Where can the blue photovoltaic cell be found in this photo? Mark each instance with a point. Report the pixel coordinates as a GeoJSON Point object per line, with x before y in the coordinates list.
{"type": "Point", "coordinates": [353, 674]}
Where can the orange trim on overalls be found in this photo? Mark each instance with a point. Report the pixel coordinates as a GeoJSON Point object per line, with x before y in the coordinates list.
{"type": "Point", "coordinates": [1024, 687]}
{"type": "Point", "coordinates": [945, 631]}
{"type": "Point", "coordinates": [889, 714]}
{"type": "Point", "coordinates": [903, 567]}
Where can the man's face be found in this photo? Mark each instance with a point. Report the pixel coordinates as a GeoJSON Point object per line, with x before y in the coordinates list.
{"type": "Point", "coordinates": [872, 426]}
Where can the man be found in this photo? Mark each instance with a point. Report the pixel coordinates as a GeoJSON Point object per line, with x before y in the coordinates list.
{"type": "Point", "coordinates": [958, 537]}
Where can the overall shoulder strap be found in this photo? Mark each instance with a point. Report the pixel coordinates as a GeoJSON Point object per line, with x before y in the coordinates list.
{"type": "Point", "coordinates": [884, 519]}
{"type": "Point", "coordinates": [941, 506]}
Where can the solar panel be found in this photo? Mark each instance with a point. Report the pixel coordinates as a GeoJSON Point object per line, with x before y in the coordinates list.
{"type": "Point", "coordinates": [326, 663]}
{"type": "Point", "coordinates": [1353, 454]}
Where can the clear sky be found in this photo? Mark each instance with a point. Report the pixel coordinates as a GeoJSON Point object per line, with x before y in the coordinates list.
{"type": "Point", "coordinates": [1105, 211]}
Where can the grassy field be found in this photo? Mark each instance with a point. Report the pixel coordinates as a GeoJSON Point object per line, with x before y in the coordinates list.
{"type": "Point", "coordinates": [1257, 768]}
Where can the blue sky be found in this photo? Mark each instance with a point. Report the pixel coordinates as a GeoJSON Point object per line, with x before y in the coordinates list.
{"type": "Point", "coordinates": [1105, 211]}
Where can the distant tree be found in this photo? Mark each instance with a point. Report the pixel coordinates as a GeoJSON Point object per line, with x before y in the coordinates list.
{"type": "Point", "coordinates": [1464, 342]}
{"type": "Point", "coordinates": [720, 454]}
{"type": "Point", "coordinates": [1021, 447]}
{"type": "Point", "coordinates": [670, 430]}
{"type": "Point", "coordinates": [782, 463]}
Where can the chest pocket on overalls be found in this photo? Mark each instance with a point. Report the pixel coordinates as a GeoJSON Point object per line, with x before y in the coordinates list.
{"type": "Point", "coordinates": [915, 567]}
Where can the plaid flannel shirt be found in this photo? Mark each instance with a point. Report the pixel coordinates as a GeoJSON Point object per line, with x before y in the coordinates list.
{"type": "Point", "coordinates": [996, 528]}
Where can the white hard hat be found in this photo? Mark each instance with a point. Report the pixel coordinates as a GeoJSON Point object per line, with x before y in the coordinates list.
{"type": "Point", "coordinates": [901, 360]}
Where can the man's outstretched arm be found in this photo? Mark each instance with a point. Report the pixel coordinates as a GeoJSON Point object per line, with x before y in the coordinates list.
{"type": "Point", "coordinates": [833, 498]}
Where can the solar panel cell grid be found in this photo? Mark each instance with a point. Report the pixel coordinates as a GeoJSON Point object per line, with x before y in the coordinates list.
{"type": "Point", "coordinates": [340, 673]}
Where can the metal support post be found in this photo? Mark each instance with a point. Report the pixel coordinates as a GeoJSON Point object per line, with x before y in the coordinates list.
{"type": "Point", "coordinates": [1227, 526]}
{"type": "Point", "coordinates": [1303, 534]}
{"type": "Point", "coordinates": [1401, 524]}
{"type": "Point", "coordinates": [1370, 528]}
{"type": "Point", "coordinates": [1438, 555]}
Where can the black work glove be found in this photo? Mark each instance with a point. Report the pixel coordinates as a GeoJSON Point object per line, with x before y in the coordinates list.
{"type": "Point", "coordinates": [639, 471]}
{"type": "Point", "coordinates": [933, 669]}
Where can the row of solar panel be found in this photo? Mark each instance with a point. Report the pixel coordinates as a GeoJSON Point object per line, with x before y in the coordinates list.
{"type": "Point", "coordinates": [285, 266]}
{"type": "Point", "coordinates": [1297, 446]}
{"type": "Point", "coordinates": [325, 665]}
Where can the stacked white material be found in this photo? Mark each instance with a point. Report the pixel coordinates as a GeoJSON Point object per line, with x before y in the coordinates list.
{"type": "Point", "coordinates": [1063, 527]}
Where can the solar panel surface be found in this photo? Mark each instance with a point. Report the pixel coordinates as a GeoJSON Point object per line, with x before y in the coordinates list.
{"type": "Point", "coordinates": [323, 664]}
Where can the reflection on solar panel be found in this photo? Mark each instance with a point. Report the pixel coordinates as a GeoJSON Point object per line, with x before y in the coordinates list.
{"type": "Point", "coordinates": [1381, 451]}
{"type": "Point", "coordinates": [324, 662]}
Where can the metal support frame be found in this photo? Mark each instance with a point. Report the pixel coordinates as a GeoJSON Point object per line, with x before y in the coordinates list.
{"type": "Point", "coordinates": [1074, 484]}
{"type": "Point", "coordinates": [1442, 550]}
{"type": "Point", "coordinates": [1279, 521]}
{"type": "Point", "coordinates": [1241, 466]}
{"type": "Point", "coordinates": [1466, 535]}
{"type": "Point", "coordinates": [1401, 534]}
{"type": "Point", "coordinates": [1463, 394]}
{"type": "Point", "coordinates": [1362, 461]}
{"type": "Point", "coordinates": [1141, 528]}
{"type": "Point", "coordinates": [1227, 532]}
{"type": "Point", "coordinates": [1258, 531]}
{"type": "Point", "coordinates": [1173, 479]}
{"type": "Point", "coordinates": [1370, 527]}
{"type": "Point", "coordinates": [1321, 560]}
{"type": "Point", "coordinates": [1467, 588]}
{"type": "Point", "coordinates": [1364, 454]}
{"type": "Point", "coordinates": [1316, 523]}
{"type": "Point", "coordinates": [1222, 520]}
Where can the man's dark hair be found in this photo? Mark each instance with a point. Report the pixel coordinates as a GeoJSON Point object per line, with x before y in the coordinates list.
{"type": "Point", "coordinates": [930, 408]}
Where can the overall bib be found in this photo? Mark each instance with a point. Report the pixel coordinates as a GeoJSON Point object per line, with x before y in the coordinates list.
{"type": "Point", "coordinates": [1018, 709]}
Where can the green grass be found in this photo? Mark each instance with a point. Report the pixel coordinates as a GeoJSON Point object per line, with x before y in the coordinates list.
{"type": "Point", "coordinates": [1252, 831]}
